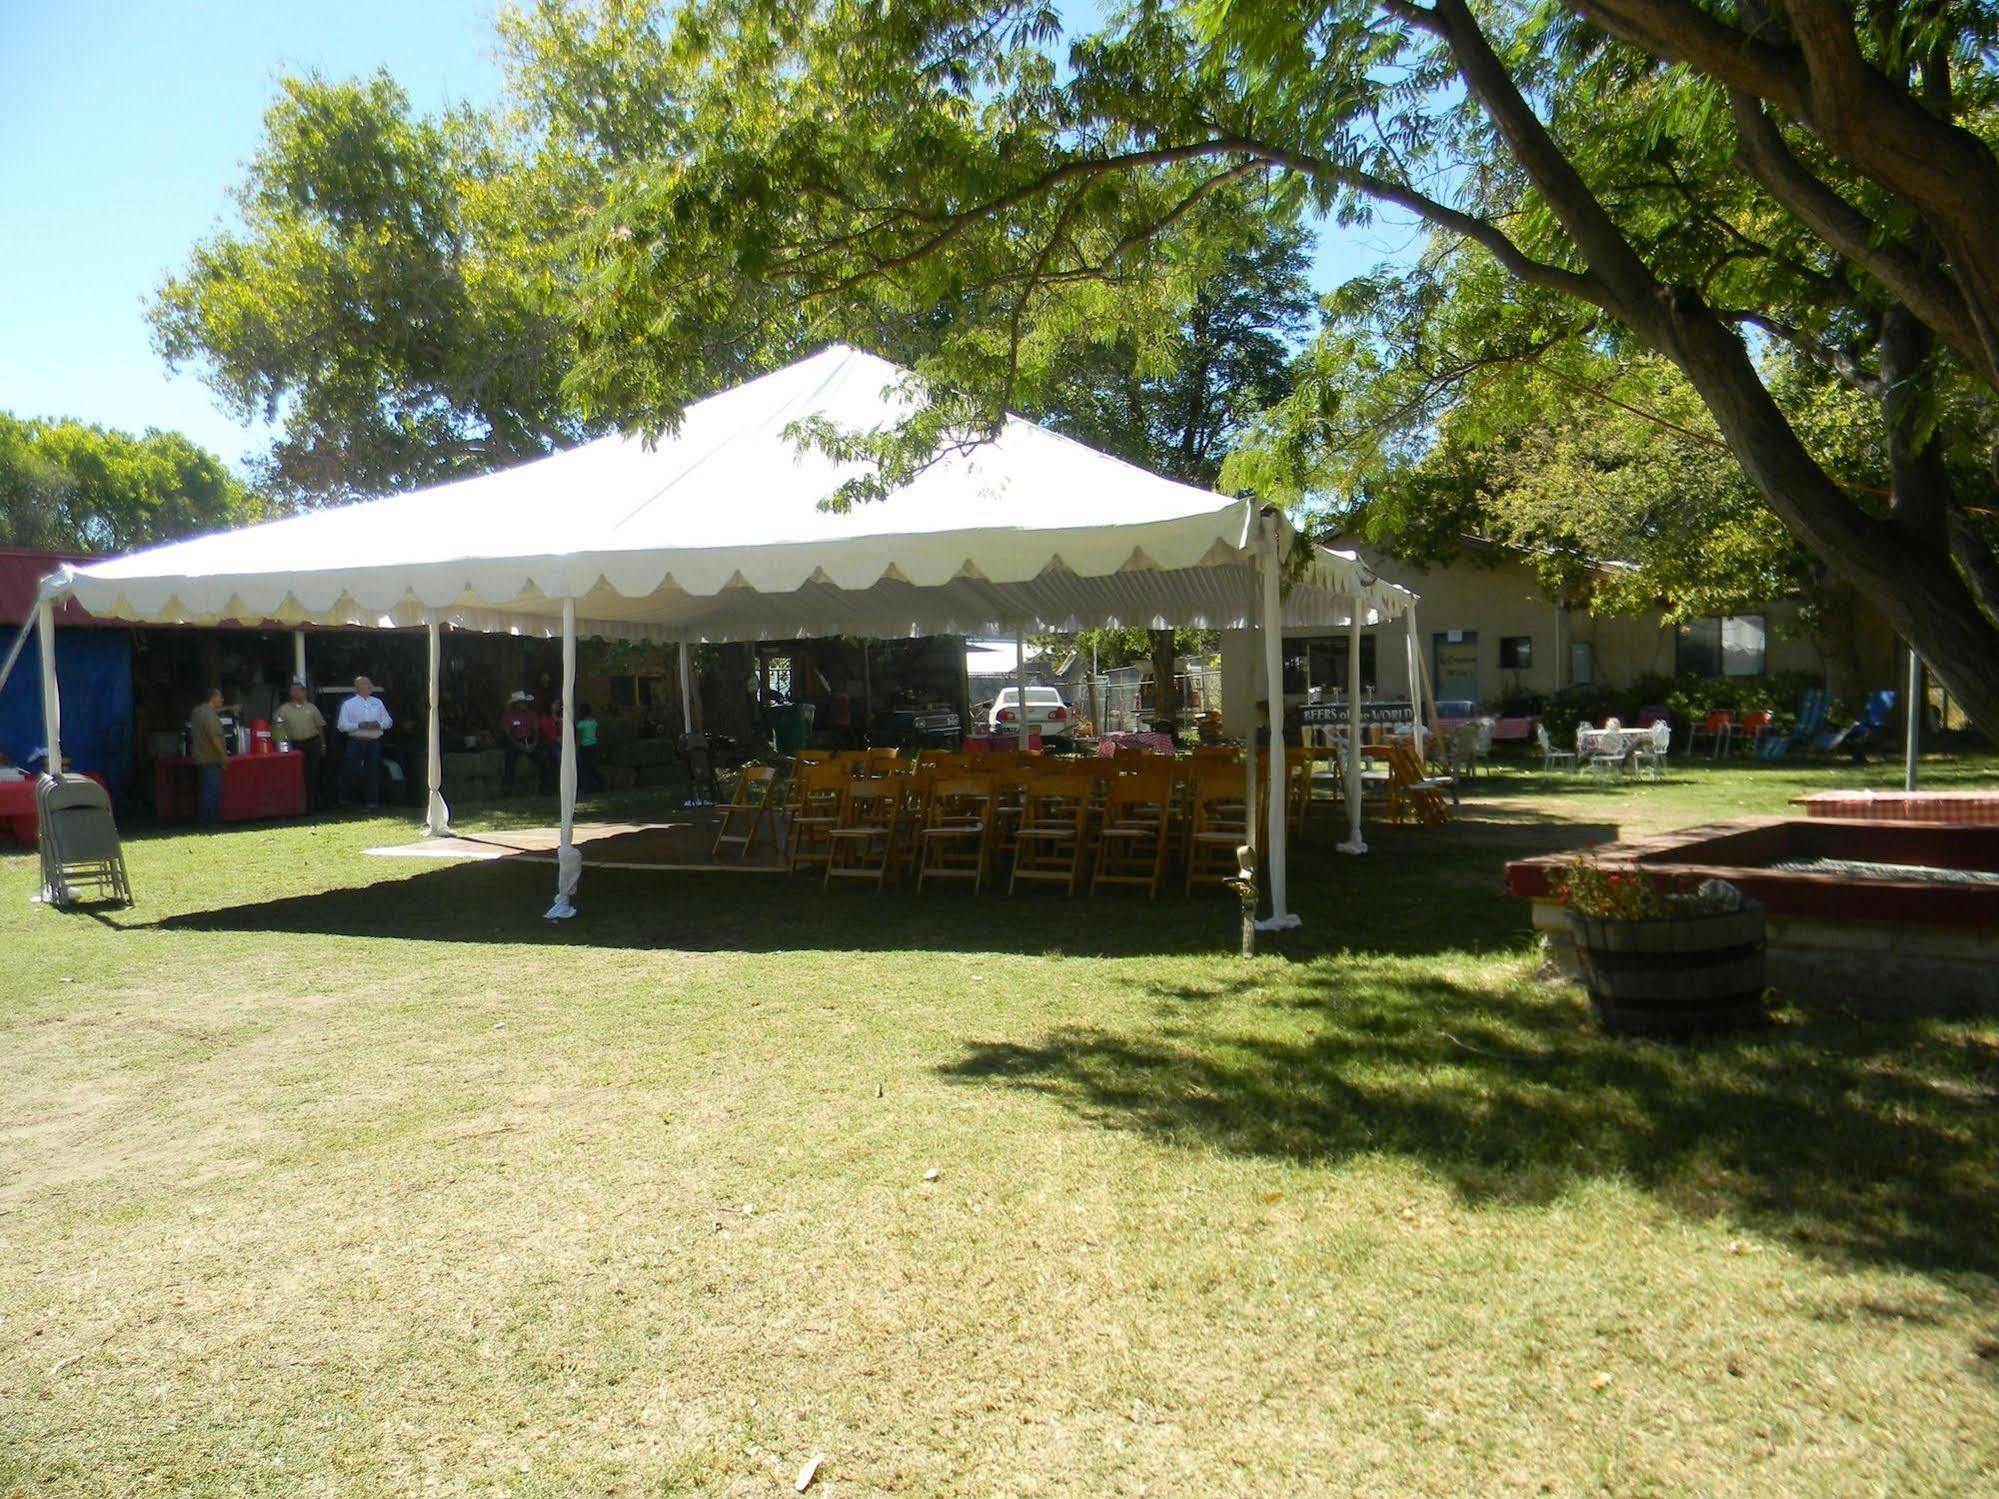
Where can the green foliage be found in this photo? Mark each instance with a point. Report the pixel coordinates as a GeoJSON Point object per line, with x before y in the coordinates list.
{"type": "Point", "coordinates": [381, 298]}
{"type": "Point", "coordinates": [70, 486]}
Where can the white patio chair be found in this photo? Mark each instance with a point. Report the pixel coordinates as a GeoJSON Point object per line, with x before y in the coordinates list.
{"type": "Point", "coordinates": [1606, 760]}
{"type": "Point", "coordinates": [1552, 758]}
{"type": "Point", "coordinates": [1648, 756]}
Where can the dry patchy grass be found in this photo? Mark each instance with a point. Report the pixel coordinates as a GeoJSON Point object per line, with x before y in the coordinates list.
{"type": "Point", "coordinates": [323, 1175]}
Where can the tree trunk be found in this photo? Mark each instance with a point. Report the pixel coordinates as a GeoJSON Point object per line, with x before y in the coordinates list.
{"type": "Point", "coordinates": [1910, 579]}
{"type": "Point", "coordinates": [1165, 691]}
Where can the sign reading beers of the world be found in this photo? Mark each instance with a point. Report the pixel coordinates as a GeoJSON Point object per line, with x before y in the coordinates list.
{"type": "Point", "coordinates": [1387, 713]}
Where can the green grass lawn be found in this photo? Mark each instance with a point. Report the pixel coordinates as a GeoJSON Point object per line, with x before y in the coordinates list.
{"type": "Point", "coordinates": [322, 1174]}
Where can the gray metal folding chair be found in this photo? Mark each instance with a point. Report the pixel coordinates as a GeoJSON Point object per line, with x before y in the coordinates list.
{"type": "Point", "coordinates": [82, 858]}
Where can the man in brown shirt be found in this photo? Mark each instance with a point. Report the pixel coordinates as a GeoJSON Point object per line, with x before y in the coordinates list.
{"type": "Point", "coordinates": [210, 754]}
{"type": "Point", "coordinates": [303, 728]}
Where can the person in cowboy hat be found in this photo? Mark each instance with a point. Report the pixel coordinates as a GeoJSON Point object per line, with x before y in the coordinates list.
{"type": "Point", "coordinates": [520, 734]}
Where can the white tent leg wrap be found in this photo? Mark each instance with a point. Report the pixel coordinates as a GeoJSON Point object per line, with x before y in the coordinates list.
{"type": "Point", "coordinates": [568, 874]}
{"type": "Point", "coordinates": [1354, 844]}
{"type": "Point", "coordinates": [1278, 787]}
{"type": "Point", "coordinates": [568, 860]}
{"type": "Point", "coordinates": [437, 816]}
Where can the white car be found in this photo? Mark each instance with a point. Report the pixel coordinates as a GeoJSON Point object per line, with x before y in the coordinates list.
{"type": "Point", "coordinates": [1047, 714]}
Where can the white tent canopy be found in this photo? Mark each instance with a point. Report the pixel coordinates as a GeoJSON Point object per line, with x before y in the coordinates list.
{"type": "Point", "coordinates": [721, 531]}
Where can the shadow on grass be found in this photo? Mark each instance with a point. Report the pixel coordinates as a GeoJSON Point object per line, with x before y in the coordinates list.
{"type": "Point", "coordinates": [1415, 892]}
{"type": "Point", "coordinates": [1870, 1142]}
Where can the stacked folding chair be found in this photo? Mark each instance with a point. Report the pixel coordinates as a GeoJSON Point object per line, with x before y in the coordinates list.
{"type": "Point", "coordinates": [82, 858]}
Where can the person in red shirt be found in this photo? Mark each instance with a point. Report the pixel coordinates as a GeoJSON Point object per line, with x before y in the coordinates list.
{"type": "Point", "coordinates": [548, 729]}
{"type": "Point", "coordinates": [520, 734]}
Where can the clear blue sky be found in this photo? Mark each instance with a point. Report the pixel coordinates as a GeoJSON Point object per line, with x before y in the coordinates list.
{"type": "Point", "coordinates": [123, 124]}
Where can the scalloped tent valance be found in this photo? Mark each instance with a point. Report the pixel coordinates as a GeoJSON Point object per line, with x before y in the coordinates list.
{"type": "Point", "coordinates": [719, 532]}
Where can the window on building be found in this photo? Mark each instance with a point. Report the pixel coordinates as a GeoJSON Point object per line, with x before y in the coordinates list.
{"type": "Point", "coordinates": [1326, 664]}
{"type": "Point", "coordinates": [1735, 645]}
{"type": "Point", "coordinates": [1297, 666]}
{"type": "Point", "coordinates": [1454, 665]}
{"type": "Point", "coordinates": [636, 691]}
{"type": "Point", "coordinates": [1516, 652]}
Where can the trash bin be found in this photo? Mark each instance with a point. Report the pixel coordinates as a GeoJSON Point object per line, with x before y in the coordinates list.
{"type": "Point", "coordinates": [790, 726]}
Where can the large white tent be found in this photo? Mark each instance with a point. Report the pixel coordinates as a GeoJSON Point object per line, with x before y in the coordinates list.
{"type": "Point", "coordinates": [724, 530]}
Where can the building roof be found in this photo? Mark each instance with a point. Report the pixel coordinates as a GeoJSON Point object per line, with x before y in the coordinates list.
{"type": "Point", "coordinates": [21, 572]}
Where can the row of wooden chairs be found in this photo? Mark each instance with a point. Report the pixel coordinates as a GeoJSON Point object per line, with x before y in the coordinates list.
{"type": "Point", "coordinates": [1066, 825]}
{"type": "Point", "coordinates": [1315, 788]}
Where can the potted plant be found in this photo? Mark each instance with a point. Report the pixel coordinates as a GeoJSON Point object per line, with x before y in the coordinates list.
{"type": "Point", "coordinates": [1661, 955]}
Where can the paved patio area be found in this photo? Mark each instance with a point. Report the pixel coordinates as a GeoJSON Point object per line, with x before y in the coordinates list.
{"type": "Point", "coordinates": [680, 844]}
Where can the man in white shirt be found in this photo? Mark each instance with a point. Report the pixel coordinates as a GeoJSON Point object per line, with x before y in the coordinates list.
{"type": "Point", "coordinates": [363, 720]}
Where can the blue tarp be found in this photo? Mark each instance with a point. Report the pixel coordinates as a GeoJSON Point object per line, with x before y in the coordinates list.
{"type": "Point", "coordinates": [94, 671]}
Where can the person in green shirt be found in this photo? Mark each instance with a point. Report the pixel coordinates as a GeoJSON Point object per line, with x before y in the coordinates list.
{"type": "Point", "coordinates": [586, 749]}
{"type": "Point", "coordinates": [210, 754]}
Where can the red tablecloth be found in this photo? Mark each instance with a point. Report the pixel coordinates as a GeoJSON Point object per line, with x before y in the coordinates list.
{"type": "Point", "coordinates": [1959, 808]}
{"type": "Point", "coordinates": [17, 809]}
{"type": "Point", "coordinates": [1158, 744]}
{"type": "Point", "coordinates": [998, 743]}
{"type": "Point", "coordinates": [253, 786]}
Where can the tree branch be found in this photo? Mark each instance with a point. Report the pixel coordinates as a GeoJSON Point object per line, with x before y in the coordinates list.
{"type": "Point", "coordinates": [1840, 361]}
{"type": "Point", "coordinates": [1682, 32]}
{"type": "Point", "coordinates": [1929, 295]}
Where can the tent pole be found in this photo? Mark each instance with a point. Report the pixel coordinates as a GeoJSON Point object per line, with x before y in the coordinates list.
{"type": "Point", "coordinates": [298, 655]}
{"type": "Point", "coordinates": [1273, 665]}
{"type": "Point", "coordinates": [1254, 636]}
{"type": "Point", "coordinates": [1912, 749]}
{"type": "Point", "coordinates": [1413, 652]}
{"type": "Point", "coordinates": [1020, 685]}
{"type": "Point", "coordinates": [568, 862]}
{"type": "Point", "coordinates": [28, 627]}
{"type": "Point", "coordinates": [686, 688]}
{"type": "Point", "coordinates": [437, 816]}
{"type": "Point", "coordinates": [45, 630]}
{"type": "Point", "coordinates": [1355, 844]}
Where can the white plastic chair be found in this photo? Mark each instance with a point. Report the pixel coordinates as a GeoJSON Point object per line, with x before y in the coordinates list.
{"type": "Point", "coordinates": [1648, 756]}
{"type": "Point", "coordinates": [1606, 761]}
{"type": "Point", "coordinates": [1551, 758]}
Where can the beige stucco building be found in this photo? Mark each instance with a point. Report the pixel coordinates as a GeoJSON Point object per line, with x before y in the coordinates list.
{"type": "Point", "coordinates": [1488, 631]}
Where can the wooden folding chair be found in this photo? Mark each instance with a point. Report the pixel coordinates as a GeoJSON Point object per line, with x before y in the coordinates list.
{"type": "Point", "coordinates": [1009, 796]}
{"type": "Point", "coordinates": [818, 813]}
{"type": "Point", "coordinates": [748, 814]}
{"type": "Point", "coordinates": [1052, 837]}
{"type": "Point", "coordinates": [1132, 842]}
{"type": "Point", "coordinates": [882, 761]}
{"type": "Point", "coordinates": [912, 810]}
{"type": "Point", "coordinates": [1413, 795]}
{"type": "Point", "coordinates": [956, 826]}
{"type": "Point", "coordinates": [860, 843]}
{"type": "Point", "coordinates": [1221, 826]}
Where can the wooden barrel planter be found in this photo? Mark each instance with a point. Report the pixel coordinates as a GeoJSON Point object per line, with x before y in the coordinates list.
{"type": "Point", "coordinates": [1673, 977]}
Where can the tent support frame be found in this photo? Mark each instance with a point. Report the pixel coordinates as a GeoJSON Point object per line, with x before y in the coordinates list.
{"type": "Point", "coordinates": [568, 860]}
{"type": "Point", "coordinates": [437, 815]}
{"type": "Point", "coordinates": [1354, 844]}
{"type": "Point", "coordinates": [1280, 918]}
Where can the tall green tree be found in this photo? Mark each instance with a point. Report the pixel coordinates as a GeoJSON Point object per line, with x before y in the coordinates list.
{"type": "Point", "coordinates": [71, 487]}
{"type": "Point", "coordinates": [382, 299]}
{"type": "Point", "coordinates": [1179, 408]}
{"type": "Point", "coordinates": [1702, 179]}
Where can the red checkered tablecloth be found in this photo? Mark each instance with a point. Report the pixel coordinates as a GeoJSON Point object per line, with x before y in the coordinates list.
{"type": "Point", "coordinates": [1957, 808]}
